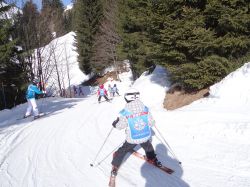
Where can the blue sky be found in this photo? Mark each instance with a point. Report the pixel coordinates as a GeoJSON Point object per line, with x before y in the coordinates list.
{"type": "Point", "coordinates": [38, 2]}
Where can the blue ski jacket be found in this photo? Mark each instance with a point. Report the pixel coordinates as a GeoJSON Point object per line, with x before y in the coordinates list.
{"type": "Point", "coordinates": [32, 91]}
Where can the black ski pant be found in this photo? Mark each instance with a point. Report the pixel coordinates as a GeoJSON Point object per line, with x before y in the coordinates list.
{"type": "Point", "coordinates": [127, 147]}
{"type": "Point", "coordinates": [99, 98]}
{"type": "Point", "coordinates": [115, 93]}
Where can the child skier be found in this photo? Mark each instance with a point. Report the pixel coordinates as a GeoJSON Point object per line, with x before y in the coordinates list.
{"type": "Point", "coordinates": [137, 120]}
{"type": "Point", "coordinates": [30, 96]}
{"type": "Point", "coordinates": [80, 91]}
{"type": "Point", "coordinates": [75, 90]}
{"type": "Point", "coordinates": [102, 92]}
{"type": "Point", "coordinates": [115, 90]}
{"type": "Point", "coordinates": [110, 90]}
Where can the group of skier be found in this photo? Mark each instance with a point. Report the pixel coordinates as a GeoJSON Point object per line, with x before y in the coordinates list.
{"type": "Point", "coordinates": [113, 90]}
{"type": "Point", "coordinates": [33, 89]}
{"type": "Point", "coordinates": [102, 92]}
{"type": "Point", "coordinates": [78, 91]}
{"type": "Point", "coordinates": [135, 117]}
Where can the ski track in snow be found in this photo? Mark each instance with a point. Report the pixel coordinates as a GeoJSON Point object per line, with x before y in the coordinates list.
{"type": "Point", "coordinates": [59, 154]}
{"type": "Point", "coordinates": [50, 139]}
{"type": "Point", "coordinates": [40, 149]}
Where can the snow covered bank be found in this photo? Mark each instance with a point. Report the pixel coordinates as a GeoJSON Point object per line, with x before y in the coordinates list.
{"type": "Point", "coordinates": [209, 139]}
{"type": "Point", "coordinates": [235, 87]}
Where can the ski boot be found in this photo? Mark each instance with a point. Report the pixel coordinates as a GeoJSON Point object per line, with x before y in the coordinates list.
{"type": "Point", "coordinates": [113, 176]}
{"type": "Point", "coordinates": [151, 157]}
{"type": "Point", "coordinates": [26, 116]}
{"type": "Point", "coordinates": [155, 161]}
{"type": "Point", "coordinates": [114, 171]}
{"type": "Point", "coordinates": [36, 117]}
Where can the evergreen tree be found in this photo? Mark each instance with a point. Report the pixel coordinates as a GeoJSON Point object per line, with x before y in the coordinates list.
{"type": "Point", "coordinates": [26, 32]}
{"type": "Point", "coordinates": [135, 45]}
{"type": "Point", "coordinates": [52, 14]}
{"type": "Point", "coordinates": [9, 65]}
{"type": "Point", "coordinates": [187, 36]}
{"type": "Point", "coordinates": [195, 36]}
{"type": "Point", "coordinates": [45, 3]}
{"type": "Point", "coordinates": [88, 16]}
{"type": "Point", "coordinates": [58, 17]}
{"type": "Point", "coordinates": [68, 19]}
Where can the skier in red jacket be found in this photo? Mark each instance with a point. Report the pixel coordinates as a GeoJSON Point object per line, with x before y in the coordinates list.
{"type": "Point", "coordinates": [102, 92]}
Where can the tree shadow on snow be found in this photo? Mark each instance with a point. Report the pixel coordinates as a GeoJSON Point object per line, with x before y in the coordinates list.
{"type": "Point", "coordinates": [50, 106]}
{"type": "Point", "coordinates": [160, 76]}
{"type": "Point", "coordinates": [156, 177]}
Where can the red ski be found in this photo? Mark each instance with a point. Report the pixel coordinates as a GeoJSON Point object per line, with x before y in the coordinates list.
{"type": "Point", "coordinates": [143, 157]}
{"type": "Point", "coordinates": [112, 181]}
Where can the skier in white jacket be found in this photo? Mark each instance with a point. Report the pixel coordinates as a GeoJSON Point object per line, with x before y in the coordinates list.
{"type": "Point", "coordinates": [137, 120]}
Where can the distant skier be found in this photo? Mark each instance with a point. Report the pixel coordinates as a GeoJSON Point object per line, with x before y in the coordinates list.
{"type": "Point", "coordinates": [80, 92]}
{"type": "Point", "coordinates": [115, 90]}
{"type": "Point", "coordinates": [137, 120]}
{"type": "Point", "coordinates": [110, 90]}
{"type": "Point", "coordinates": [75, 90]}
{"type": "Point", "coordinates": [102, 92]}
{"type": "Point", "coordinates": [30, 96]}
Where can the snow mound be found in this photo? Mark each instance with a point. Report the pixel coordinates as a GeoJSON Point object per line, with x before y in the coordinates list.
{"type": "Point", "coordinates": [155, 94]}
{"type": "Point", "coordinates": [234, 87]}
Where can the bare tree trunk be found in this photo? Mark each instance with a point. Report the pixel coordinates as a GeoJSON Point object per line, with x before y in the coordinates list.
{"type": "Point", "coordinates": [39, 68]}
{"type": "Point", "coordinates": [67, 65]}
{"type": "Point", "coordinates": [57, 73]}
{"type": "Point", "coordinates": [113, 52]}
{"type": "Point", "coordinates": [108, 38]}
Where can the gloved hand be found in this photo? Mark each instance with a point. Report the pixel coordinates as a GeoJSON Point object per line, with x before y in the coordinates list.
{"type": "Point", "coordinates": [44, 93]}
{"type": "Point", "coordinates": [115, 122]}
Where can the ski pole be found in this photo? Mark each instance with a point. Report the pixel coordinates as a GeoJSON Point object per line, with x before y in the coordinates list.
{"type": "Point", "coordinates": [42, 104]}
{"type": "Point", "coordinates": [101, 147]}
{"type": "Point", "coordinates": [106, 156]}
{"type": "Point", "coordinates": [170, 149]}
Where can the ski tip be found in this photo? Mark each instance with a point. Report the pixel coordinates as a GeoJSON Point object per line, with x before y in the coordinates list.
{"type": "Point", "coordinates": [111, 182]}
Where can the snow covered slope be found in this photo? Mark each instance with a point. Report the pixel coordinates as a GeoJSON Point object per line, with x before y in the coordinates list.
{"type": "Point", "coordinates": [60, 62]}
{"type": "Point", "coordinates": [235, 87]}
{"type": "Point", "coordinates": [211, 141]}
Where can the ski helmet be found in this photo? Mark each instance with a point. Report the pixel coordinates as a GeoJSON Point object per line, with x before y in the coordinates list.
{"type": "Point", "coordinates": [35, 81]}
{"type": "Point", "coordinates": [131, 95]}
{"type": "Point", "coordinates": [101, 86]}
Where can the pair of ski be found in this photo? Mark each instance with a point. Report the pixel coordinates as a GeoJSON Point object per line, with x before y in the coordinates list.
{"type": "Point", "coordinates": [38, 117]}
{"type": "Point", "coordinates": [110, 100]}
{"type": "Point", "coordinates": [143, 157]}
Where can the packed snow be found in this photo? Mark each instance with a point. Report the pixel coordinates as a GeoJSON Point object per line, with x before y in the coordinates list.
{"type": "Point", "coordinates": [210, 138]}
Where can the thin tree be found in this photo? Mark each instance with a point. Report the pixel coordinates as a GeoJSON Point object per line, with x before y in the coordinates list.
{"type": "Point", "coordinates": [107, 39]}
